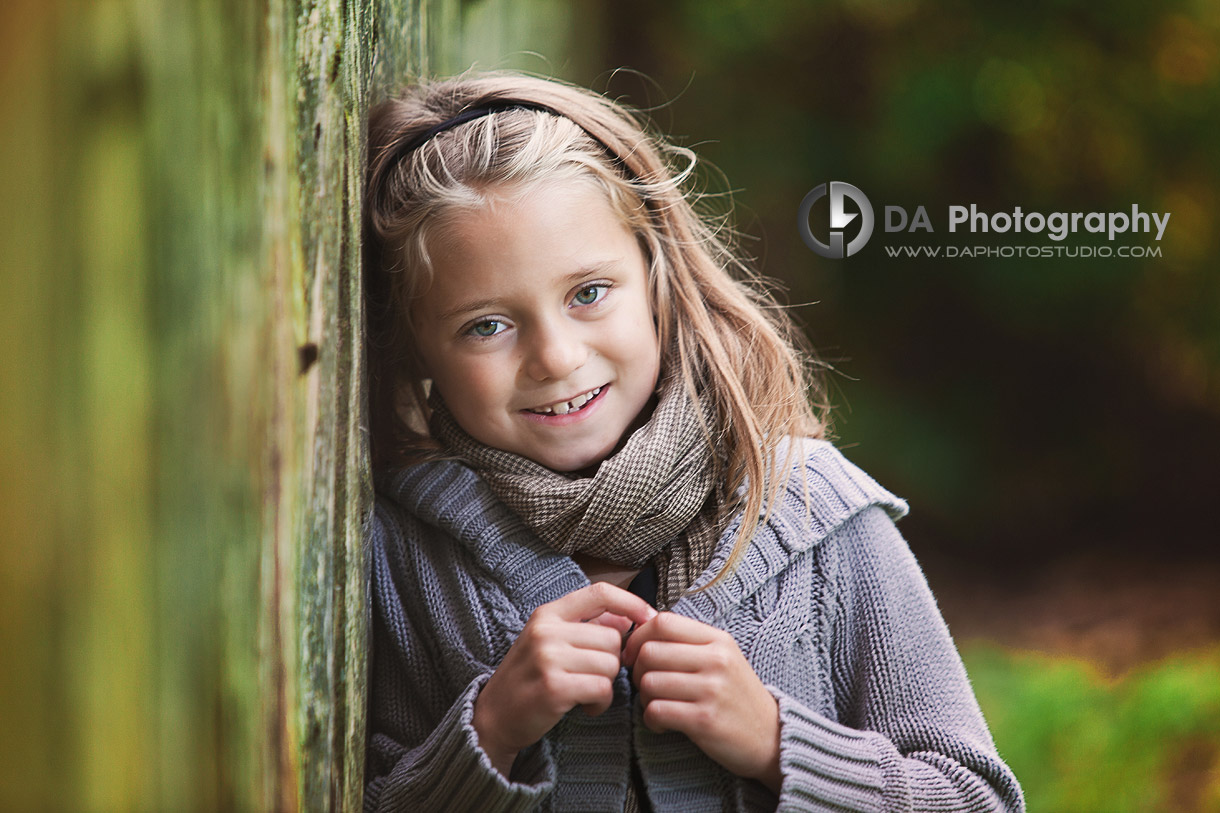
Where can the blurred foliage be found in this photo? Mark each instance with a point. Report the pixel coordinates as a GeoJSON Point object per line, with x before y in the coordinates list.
{"type": "Point", "coordinates": [1079, 741]}
{"type": "Point", "coordinates": [1082, 395]}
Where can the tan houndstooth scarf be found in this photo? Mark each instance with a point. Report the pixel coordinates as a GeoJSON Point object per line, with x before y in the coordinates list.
{"type": "Point", "coordinates": [652, 501]}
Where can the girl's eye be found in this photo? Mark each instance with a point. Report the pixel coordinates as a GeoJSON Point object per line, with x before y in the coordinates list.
{"type": "Point", "coordinates": [589, 295]}
{"type": "Point", "coordinates": [488, 327]}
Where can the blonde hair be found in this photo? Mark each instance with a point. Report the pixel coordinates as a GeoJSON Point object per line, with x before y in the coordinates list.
{"type": "Point", "coordinates": [719, 328]}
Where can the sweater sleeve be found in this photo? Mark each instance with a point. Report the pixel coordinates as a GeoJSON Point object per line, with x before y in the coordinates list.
{"type": "Point", "coordinates": [449, 771]}
{"type": "Point", "coordinates": [423, 752]}
{"type": "Point", "coordinates": [910, 735]}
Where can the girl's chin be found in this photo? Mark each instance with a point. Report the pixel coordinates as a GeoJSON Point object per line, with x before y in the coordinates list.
{"type": "Point", "coordinates": [586, 465]}
{"type": "Point", "coordinates": [579, 462]}
{"type": "Point", "coordinates": [586, 471]}
{"type": "Point", "coordinates": [578, 466]}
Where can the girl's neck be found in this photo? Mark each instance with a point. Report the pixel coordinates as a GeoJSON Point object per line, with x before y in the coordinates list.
{"type": "Point", "coordinates": [599, 570]}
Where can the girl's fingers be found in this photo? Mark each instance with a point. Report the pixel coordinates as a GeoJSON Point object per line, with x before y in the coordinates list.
{"type": "Point", "coordinates": [593, 693]}
{"type": "Point", "coordinates": [591, 662]}
{"type": "Point", "coordinates": [672, 715]}
{"type": "Point", "coordinates": [670, 627]}
{"type": "Point", "coordinates": [620, 624]}
{"type": "Point", "coordinates": [685, 686]}
{"type": "Point", "coordinates": [602, 597]}
{"type": "Point", "coordinates": [592, 636]}
{"type": "Point", "coordinates": [669, 657]}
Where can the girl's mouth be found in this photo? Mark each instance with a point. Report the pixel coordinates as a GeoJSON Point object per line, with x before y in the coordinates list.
{"type": "Point", "coordinates": [577, 404]}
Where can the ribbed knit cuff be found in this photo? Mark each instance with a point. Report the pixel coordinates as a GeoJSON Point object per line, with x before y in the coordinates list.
{"type": "Point", "coordinates": [449, 771]}
{"type": "Point", "coordinates": [824, 763]}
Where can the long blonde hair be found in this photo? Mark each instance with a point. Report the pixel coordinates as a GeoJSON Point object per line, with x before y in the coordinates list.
{"type": "Point", "coordinates": [719, 328]}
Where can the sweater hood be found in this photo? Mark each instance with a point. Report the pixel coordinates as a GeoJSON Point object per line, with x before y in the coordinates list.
{"type": "Point", "coordinates": [824, 490]}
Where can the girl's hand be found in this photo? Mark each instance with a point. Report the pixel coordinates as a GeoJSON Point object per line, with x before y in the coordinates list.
{"type": "Point", "coordinates": [693, 678]}
{"type": "Point", "coordinates": [558, 662]}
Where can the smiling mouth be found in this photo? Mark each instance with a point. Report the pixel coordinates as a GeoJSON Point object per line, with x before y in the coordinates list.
{"type": "Point", "coordinates": [571, 405]}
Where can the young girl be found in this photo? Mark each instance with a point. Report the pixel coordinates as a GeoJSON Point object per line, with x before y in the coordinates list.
{"type": "Point", "coordinates": [613, 566]}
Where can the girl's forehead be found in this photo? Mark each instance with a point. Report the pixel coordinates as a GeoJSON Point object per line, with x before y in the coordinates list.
{"type": "Point", "coordinates": [508, 207]}
{"type": "Point", "coordinates": [512, 194]}
{"type": "Point", "coordinates": [564, 217]}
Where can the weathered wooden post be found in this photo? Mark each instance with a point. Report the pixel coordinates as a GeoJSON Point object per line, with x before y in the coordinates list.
{"type": "Point", "coordinates": [182, 470]}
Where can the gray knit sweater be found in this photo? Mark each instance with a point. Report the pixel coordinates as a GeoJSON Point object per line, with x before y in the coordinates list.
{"type": "Point", "coordinates": [828, 606]}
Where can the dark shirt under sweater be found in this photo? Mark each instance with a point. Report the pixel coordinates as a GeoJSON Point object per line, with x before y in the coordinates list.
{"type": "Point", "coordinates": [643, 585]}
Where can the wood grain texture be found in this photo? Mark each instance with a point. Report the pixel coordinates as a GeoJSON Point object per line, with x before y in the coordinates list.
{"type": "Point", "coordinates": [185, 466]}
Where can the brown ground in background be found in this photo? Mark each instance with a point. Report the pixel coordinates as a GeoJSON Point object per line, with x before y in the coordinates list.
{"type": "Point", "coordinates": [1116, 612]}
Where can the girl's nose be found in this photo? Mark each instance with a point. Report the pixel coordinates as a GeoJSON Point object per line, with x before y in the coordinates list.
{"type": "Point", "coordinates": [553, 353]}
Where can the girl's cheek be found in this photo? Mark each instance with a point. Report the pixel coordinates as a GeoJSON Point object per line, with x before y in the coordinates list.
{"type": "Point", "coordinates": [484, 380]}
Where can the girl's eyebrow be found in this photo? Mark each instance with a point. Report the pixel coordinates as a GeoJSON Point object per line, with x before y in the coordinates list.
{"type": "Point", "coordinates": [467, 307]}
{"type": "Point", "coordinates": [586, 271]}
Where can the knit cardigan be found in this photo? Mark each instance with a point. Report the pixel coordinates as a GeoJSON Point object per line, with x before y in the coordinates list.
{"type": "Point", "coordinates": [828, 606]}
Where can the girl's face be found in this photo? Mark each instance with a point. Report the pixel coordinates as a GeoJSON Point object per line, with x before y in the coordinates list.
{"type": "Point", "coordinates": [537, 329]}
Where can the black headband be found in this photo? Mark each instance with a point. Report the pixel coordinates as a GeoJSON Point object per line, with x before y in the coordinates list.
{"type": "Point", "coordinates": [469, 114]}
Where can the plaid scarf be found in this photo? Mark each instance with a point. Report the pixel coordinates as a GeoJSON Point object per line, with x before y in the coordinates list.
{"type": "Point", "coordinates": [652, 501]}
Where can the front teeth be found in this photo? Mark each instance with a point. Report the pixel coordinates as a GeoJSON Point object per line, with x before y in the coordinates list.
{"type": "Point", "coordinates": [568, 406]}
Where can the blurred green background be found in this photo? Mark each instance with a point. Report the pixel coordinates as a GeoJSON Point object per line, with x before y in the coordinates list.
{"type": "Point", "coordinates": [1055, 423]}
